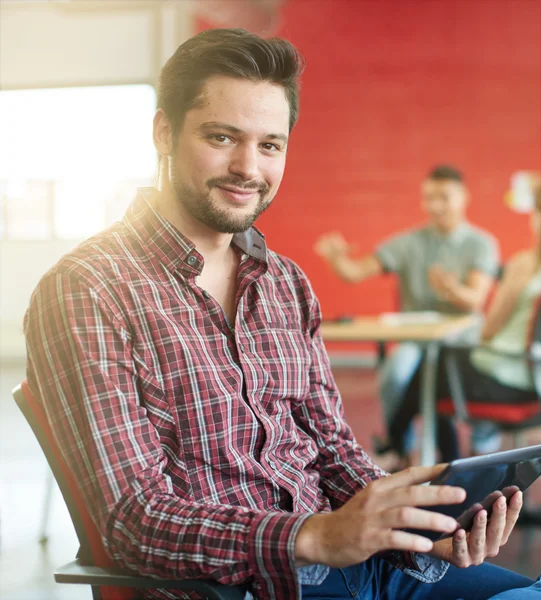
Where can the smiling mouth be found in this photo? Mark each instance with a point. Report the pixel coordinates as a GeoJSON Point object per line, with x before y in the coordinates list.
{"type": "Point", "coordinates": [238, 195]}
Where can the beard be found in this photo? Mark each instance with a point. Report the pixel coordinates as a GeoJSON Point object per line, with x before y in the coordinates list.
{"type": "Point", "coordinates": [201, 207]}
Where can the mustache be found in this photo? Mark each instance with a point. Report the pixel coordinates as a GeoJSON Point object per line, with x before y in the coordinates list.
{"type": "Point", "coordinates": [261, 186]}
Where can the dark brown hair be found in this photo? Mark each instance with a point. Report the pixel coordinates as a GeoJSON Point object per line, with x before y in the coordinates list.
{"type": "Point", "coordinates": [232, 52]}
{"type": "Point", "coordinates": [445, 172]}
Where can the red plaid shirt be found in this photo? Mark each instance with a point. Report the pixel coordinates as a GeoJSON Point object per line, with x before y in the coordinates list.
{"type": "Point", "coordinates": [200, 448]}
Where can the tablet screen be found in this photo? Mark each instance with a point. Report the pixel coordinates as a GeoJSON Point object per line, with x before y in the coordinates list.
{"type": "Point", "coordinates": [485, 479]}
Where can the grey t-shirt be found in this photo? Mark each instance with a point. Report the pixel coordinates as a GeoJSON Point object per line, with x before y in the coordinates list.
{"type": "Point", "coordinates": [412, 253]}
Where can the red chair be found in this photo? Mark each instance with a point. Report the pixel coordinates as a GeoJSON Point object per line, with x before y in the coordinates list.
{"type": "Point", "coordinates": [93, 566]}
{"type": "Point", "coordinates": [511, 417]}
{"type": "Point", "coordinates": [514, 419]}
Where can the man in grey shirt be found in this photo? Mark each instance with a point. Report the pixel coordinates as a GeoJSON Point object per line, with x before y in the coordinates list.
{"type": "Point", "coordinates": [446, 265]}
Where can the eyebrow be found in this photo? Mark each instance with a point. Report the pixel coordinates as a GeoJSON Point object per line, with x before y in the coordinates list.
{"type": "Point", "coordinates": [236, 131]}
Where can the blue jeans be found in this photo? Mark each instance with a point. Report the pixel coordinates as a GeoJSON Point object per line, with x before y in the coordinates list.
{"type": "Point", "coordinates": [396, 376]}
{"type": "Point", "coordinates": [376, 579]}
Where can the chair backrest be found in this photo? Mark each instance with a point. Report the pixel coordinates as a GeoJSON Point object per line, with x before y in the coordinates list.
{"type": "Point", "coordinates": [91, 551]}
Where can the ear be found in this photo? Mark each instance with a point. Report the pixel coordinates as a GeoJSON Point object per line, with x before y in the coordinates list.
{"type": "Point", "coordinates": [467, 196]}
{"type": "Point", "coordinates": [162, 133]}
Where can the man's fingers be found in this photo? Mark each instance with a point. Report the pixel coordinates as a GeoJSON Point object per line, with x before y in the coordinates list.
{"type": "Point", "coordinates": [421, 495]}
{"type": "Point", "coordinates": [496, 526]}
{"type": "Point", "coordinates": [416, 518]}
{"type": "Point", "coordinates": [401, 540]}
{"type": "Point", "coordinates": [411, 476]}
{"type": "Point", "coordinates": [477, 538]}
{"type": "Point", "coordinates": [461, 554]}
{"type": "Point", "coordinates": [402, 489]}
{"type": "Point", "coordinates": [513, 511]}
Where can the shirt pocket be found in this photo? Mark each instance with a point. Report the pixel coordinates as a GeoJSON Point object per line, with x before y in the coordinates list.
{"type": "Point", "coordinates": [283, 359]}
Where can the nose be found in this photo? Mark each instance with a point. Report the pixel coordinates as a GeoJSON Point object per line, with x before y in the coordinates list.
{"type": "Point", "coordinates": [244, 162]}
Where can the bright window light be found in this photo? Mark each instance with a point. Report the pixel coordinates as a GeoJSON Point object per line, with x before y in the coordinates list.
{"type": "Point", "coordinates": [91, 146]}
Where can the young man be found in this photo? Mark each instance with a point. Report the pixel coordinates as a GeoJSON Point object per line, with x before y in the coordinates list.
{"type": "Point", "coordinates": [447, 266]}
{"type": "Point", "coordinates": [183, 372]}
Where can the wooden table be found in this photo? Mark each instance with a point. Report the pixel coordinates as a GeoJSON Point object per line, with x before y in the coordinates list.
{"type": "Point", "coordinates": [430, 335]}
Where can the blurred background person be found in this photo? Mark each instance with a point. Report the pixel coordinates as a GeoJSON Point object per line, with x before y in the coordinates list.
{"type": "Point", "coordinates": [446, 265]}
{"type": "Point", "coordinates": [491, 371]}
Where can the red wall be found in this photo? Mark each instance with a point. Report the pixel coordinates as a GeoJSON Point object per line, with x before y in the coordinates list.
{"type": "Point", "coordinates": [390, 88]}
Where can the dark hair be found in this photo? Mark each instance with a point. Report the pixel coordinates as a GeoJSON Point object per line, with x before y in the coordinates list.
{"type": "Point", "coordinates": [445, 172]}
{"type": "Point", "coordinates": [232, 52]}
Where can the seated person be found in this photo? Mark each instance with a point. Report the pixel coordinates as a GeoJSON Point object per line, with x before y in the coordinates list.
{"type": "Point", "coordinates": [446, 265]}
{"type": "Point", "coordinates": [486, 373]}
{"type": "Point", "coordinates": [183, 373]}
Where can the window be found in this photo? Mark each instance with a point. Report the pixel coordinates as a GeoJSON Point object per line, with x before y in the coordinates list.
{"type": "Point", "coordinates": [72, 158]}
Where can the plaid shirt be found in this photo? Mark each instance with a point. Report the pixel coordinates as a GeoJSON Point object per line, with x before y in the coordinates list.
{"type": "Point", "coordinates": [200, 448]}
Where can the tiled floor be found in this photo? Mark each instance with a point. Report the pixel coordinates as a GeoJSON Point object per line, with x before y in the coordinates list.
{"type": "Point", "coordinates": [26, 566]}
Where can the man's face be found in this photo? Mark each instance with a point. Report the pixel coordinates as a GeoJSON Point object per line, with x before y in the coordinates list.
{"type": "Point", "coordinates": [444, 202]}
{"type": "Point", "coordinates": [230, 154]}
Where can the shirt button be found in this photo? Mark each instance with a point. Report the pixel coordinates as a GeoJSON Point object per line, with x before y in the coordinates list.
{"type": "Point", "coordinates": [206, 294]}
{"type": "Point", "coordinates": [191, 260]}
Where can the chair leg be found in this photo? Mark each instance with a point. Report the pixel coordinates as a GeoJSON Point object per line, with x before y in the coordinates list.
{"type": "Point", "coordinates": [46, 512]}
{"type": "Point", "coordinates": [381, 353]}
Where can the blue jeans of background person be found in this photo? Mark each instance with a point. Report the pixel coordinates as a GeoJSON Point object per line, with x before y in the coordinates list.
{"type": "Point", "coordinates": [376, 579]}
{"type": "Point", "coordinates": [396, 375]}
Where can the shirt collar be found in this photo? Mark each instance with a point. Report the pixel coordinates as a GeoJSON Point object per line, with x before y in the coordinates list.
{"type": "Point", "coordinates": [456, 236]}
{"type": "Point", "coordinates": [174, 250]}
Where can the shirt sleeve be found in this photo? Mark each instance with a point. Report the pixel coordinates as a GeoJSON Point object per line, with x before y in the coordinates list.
{"type": "Point", "coordinates": [82, 364]}
{"type": "Point", "coordinates": [486, 256]}
{"type": "Point", "coordinates": [344, 467]}
{"type": "Point", "coordinates": [393, 252]}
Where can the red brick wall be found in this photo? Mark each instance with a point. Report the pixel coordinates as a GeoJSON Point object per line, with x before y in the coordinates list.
{"type": "Point", "coordinates": [390, 88]}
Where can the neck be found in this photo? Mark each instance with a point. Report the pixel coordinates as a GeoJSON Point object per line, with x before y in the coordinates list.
{"type": "Point", "coordinates": [212, 245]}
{"type": "Point", "coordinates": [447, 230]}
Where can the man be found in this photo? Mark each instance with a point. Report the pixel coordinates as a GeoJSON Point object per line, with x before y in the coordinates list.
{"type": "Point", "coordinates": [183, 372]}
{"type": "Point", "coordinates": [447, 266]}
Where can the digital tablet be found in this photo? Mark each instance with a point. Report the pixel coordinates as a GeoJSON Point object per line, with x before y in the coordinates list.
{"type": "Point", "coordinates": [485, 478]}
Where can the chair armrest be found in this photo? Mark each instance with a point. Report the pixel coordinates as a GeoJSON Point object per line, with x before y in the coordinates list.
{"type": "Point", "coordinates": [75, 572]}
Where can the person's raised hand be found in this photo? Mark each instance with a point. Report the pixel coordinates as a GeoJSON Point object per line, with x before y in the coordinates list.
{"type": "Point", "coordinates": [332, 246]}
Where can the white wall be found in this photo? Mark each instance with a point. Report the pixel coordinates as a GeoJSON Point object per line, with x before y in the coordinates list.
{"type": "Point", "coordinates": [84, 43]}
{"type": "Point", "coordinates": [67, 44]}
{"type": "Point", "coordinates": [22, 264]}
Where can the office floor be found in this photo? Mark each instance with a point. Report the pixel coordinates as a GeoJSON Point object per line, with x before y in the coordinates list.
{"type": "Point", "coordinates": [26, 566]}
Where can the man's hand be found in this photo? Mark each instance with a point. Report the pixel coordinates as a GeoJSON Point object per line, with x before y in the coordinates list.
{"type": "Point", "coordinates": [374, 519]}
{"type": "Point", "coordinates": [332, 246]}
{"type": "Point", "coordinates": [485, 538]}
{"type": "Point", "coordinates": [442, 282]}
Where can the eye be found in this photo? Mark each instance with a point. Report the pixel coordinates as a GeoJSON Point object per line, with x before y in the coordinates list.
{"type": "Point", "coordinates": [221, 139]}
{"type": "Point", "coordinates": [270, 147]}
